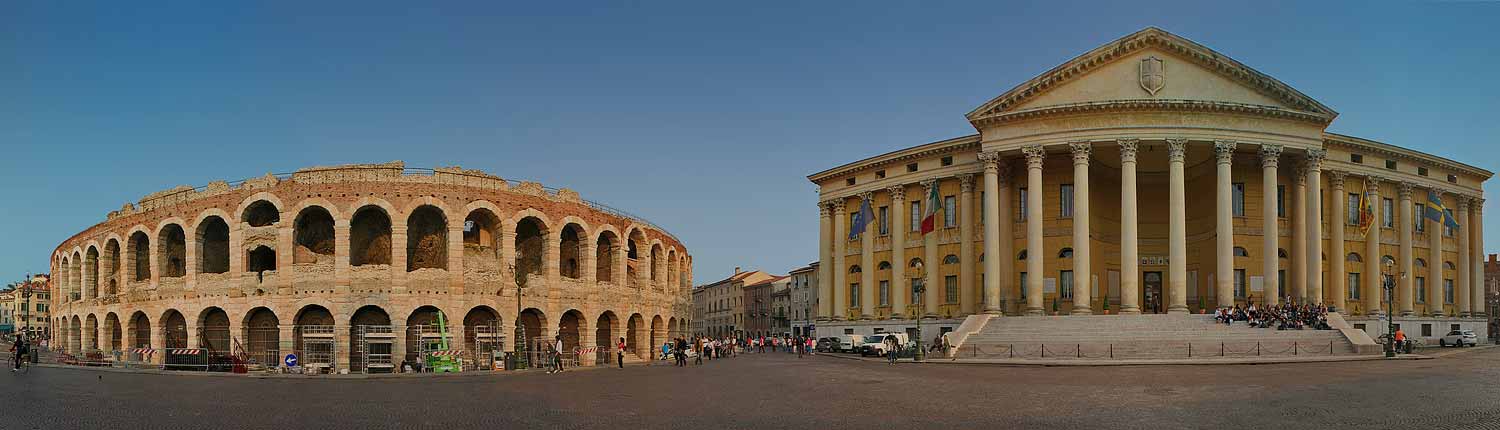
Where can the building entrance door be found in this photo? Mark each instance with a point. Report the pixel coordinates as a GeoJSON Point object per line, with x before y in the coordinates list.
{"type": "Point", "coordinates": [1152, 283]}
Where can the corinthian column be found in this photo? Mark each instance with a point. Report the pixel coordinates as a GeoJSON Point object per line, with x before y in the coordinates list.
{"type": "Point", "coordinates": [1130, 273]}
{"type": "Point", "coordinates": [825, 260]}
{"type": "Point", "coordinates": [898, 289]}
{"type": "Point", "coordinates": [1370, 284]}
{"type": "Point", "coordinates": [1224, 227]}
{"type": "Point", "coordinates": [1005, 222]}
{"type": "Point", "coordinates": [1461, 279]}
{"type": "Point", "coordinates": [1336, 287]}
{"type": "Point", "coordinates": [1298, 254]}
{"type": "Point", "coordinates": [992, 216]}
{"type": "Point", "coordinates": [867, 262]}
{"type": "Point", "coordinates": [1270, 157]}
{"type": "Point", "coordinates": [932, 263]}
{"type": "Point", "coordinates": [1177, 234]}
{"type": "Point", "coordinates": [1035, 154]}
{"type": "Point", "coordinates": [966, 244]}
{"type": "Point", "coordinates": [1315, 225]}
{"type": "Point", "coordinates": [840, 286]}
{"type": "Point", "coordinates": [1476, 281]}
{"type": "Point", "coordinates": [1404, 276]}
{"type": "Point", "coordinates": [1082, 285]}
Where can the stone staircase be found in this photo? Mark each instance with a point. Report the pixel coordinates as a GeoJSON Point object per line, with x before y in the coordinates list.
{"type": "Point", "coordinates": [1145, 337]}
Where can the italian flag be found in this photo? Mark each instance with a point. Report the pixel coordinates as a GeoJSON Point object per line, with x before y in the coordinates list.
{"type": "Point", "coordinates": [929, 219]}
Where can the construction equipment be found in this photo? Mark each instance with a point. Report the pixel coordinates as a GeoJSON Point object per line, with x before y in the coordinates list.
{"type": "Point", "coordinates": [437, 355]}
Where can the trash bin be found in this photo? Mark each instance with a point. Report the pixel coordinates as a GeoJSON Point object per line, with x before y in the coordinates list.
{"type": "Point", "coordinates": [510, 361]}
{"type": "Point", "coordinates": [1408, 346]}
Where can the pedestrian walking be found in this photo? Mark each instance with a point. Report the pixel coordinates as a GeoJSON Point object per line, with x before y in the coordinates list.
{"type": "Point", "coordinates": [620, 353]}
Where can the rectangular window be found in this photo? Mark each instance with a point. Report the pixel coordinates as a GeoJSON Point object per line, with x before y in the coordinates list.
{"type": "Point", "coordinates": [1353, 286]}
{"type": "Point", "coordinates": [849, 181]}
{"type": "Point", "coordinates": [1065, 201]}
{"type": "Point", "coordinates": [885, 293]}
{"type": "Point", "coordinates": [1387, 213]}
{"type": "Point", "coordinates": [912, 167]}
{"type": "Point", "coordinates": [1427, 330]}
{"type": "Point", "coordinates": [1420, 219]}
{"type": "Point", "coordinates": [915, 222]}
{"type": "Point", "coordinates": [950, 289]}
{"type": "Point", "coordinates": [1239, 283]}
{"type": "Point", "coordinates": [1421, 289]}
{"type": "Point", "coordinates": [854, 236]}
{"type": "Point", "coordinates": [1281, 201]}
{"type": "Point", "coordinates": [1422, 171]}
{"type": "Point", "coordinates": [950, 212]}
{"type": "Point", "coordinates": [1448, 291]}
{"type": "Point", "coordinates": [1022, 205]}
{"type": "Point", "coordinates": [1357, 159]}
{"type": "Point", "coordinates": [854, 295]}
{"type": "Point", "coordinates": [1390, 164]}
{"type": "Point", "coordinates": [947, 161]}
{"type": "Point", "coordinates": [879, 174]}
{"type": "Point", "coordinates": [1239, 199]}
{"type": "Point", "coordinates": [1447, 231]}
{"type": "Point", "coordinates": [885, 220]}
{"type": "Point", "coordinates": [1281, 283]}
{"type": "Point", "coordinates": [981, 208]}
{"type": "Point", "coordinates": [1023, 286]}
{"type": "Point", "coordinates": [1353, 210]}
{"type": "Point", "coordinates": [1065, 284]}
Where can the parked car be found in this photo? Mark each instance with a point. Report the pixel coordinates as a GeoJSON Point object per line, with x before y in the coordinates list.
{"type": "Point", "coordinates": [1459, 338]}
{"type": "Point", "coordinates": [851, 343]}
{"type": "Point", "coordinates": [880, 344]}
{"type": "Point", "coordinates": [827, 344]}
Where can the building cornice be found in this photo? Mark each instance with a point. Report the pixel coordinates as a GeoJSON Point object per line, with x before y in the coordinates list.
{"type": "Point", "coordinates": [1137, 105]}
{"type": "Point", "coordinates": [914, 153]}
{"type": "Point", "coordinates": [1398, 153]}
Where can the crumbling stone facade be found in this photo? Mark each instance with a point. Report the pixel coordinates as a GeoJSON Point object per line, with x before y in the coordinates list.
{"type": "Point", "coordinates": [366, 244]}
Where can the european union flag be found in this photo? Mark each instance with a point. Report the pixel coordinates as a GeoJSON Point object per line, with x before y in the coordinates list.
{"type": "Point", "coordinates": [861, 220]}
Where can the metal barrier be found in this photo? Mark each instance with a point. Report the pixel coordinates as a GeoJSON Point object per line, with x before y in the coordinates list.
{"type": "Point", "coordinates": [1107, 350]}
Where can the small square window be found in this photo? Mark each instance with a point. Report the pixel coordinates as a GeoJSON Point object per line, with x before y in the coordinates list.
{"type": "Point", "coordinates": [879, 174]}
{"type": "Point", "coordinates": [1453, 179]}
{"type": "Point", "coordinates": [1422, 171]}
{"type": "Point", "coordinates": [911, 167]}
{"type": "Point", "coordinates": [1390, 164]}
{"type": "Point", "coordinates": [1356, 158]}
{"type": "Point", "coordinates": [947, 161]}
{"type": "Point", "coordinates": [849, 181]}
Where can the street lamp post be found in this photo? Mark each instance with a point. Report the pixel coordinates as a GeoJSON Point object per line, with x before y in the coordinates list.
{"type": "Point", "coordinates": [520, 344]}
{"type": "Point", "coordinates": [1390, 313]}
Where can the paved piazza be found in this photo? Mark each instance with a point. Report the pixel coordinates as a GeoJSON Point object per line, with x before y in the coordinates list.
{"type": "Point", "coordinates": [779, 391]}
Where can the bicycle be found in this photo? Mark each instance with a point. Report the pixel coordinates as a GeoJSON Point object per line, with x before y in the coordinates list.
{"type": "Point", "coordinates": [25, 363]}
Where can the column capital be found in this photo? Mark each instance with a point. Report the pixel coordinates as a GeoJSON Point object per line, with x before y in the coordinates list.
{"type": "Point", "coordinates": [838, 206]}
{"type": "Point", "coordinates": [1224, 151]}
{"type": "Point", "coordinates": [927, 184]}
{"type": "Point", "coordinates": [1315, 158]}
{"type": "Point", "coordinates": [1463, 202]}
{"type": "Point", "coordinates": [867, 196]}
{"type": "Point", "coordinates": [1372, 183]}
{"type": "Point", "coordinates": [1299, 174]}
{"type": "Point", "coordinates": [825, 209]}
{"type": "Point", "coordinates": [989, 158]}
{"type": "Point", "coordinates": [966, 182]}
{"type": "Point", "coordinates": [1034, 155]}
{"type": "Point", "coordinates": [1336, 178]}
{"type": "Point", "coordinates": [1176, 149]}
{"type": "Point", "coordinates": [1270, 155]}
{"type": "Point", "coordinates": [1128, 148]}
{"type": "Point", "coordinates": [1081, 151]}
{"type": "Point", "coordinates": [898, 192]}
{"type": "Point", "coordinates": [1404, 189]}
{"type": "Point", "coordinates": [1478, 206]}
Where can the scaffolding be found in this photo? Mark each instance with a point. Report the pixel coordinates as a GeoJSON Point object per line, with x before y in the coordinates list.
{"type": "Point", "coordinates": [318, 353]}
{"type": "Point", "coordinates": [487, 348]}
{"type": "Point", "coordinates": [374, 344]}
{"type": "Point", "coordinates": [261, 349]}
{"type": "Point", "coordinates": [430, 349]}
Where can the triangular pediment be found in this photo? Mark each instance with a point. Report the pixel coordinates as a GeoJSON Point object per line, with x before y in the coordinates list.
{"type": "Point", "coordinates": [1155, 66]}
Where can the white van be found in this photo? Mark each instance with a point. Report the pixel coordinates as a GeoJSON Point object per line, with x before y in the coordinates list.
{"type": "Point", "coordinates": [879, 344]}
{"type": "Point", "coordinates": [851, 343]}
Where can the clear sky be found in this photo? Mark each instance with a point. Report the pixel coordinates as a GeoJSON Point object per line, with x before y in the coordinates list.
{"type": "Point", "coordinates": [704, 117]}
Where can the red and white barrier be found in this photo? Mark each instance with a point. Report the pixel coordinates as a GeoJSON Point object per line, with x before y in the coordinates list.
{"type": "Point", "coordinates": [585, 350]}
{"type": "Point", "coordinates": [184, 351]}
{"type": "Point", "coordinates": [448, 353]}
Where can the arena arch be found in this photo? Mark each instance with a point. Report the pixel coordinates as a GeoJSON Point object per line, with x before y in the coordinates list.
{"type": "Point", "coordinates": [606, 254]}
{"type": "Point", "coordinates": [261, 213]}
{"type": "Point", "coordinates": [311, 321]}
{"type": "Point", "coordinates": [213, 330]}
{"type": "Point", "coordinates": [112, 331]}
{"type": "Point", "coordinates": [260, 259]}
{"type": "Point", "coordinates": [635, 335]}
{"type": "Point", "coordinates": [370, 237]}
{"type": "Point", "coordinates": [571, 327]}
{"type": "Point", "coordinates": [262, 334]}
{"type": "Point", "coordinates": [672, 275]}
{"type": "Point", "coordinates": [607, 332]}
{"type": "Point", "coordinates": [426, 239]}
{"type": "Point", "coordinates": [533, 322]}
{"type": "Point", "coordinates": [91, 272]}
{"type": "Point", "coordinates": [571, 251]}
{"type": "Point", "coordinates": [531, 246]}
{"type": "Point", "coordinates": [364, 318]}
{"type": "Point", "coordinates": [140, 330]}
{"type": "Point", "coordinates": [658, 332]}
{"type": "Point", "coordinates": [421, 323]}
{"type": "Point", "coordinates": [633, 240]}
{"type": "Point", "coordinates": [171, 250]}
{"type": "Point", "coordinates": [75, 335]}
{"type": "Point", "coordinates": [482, 241]}
{"type": "Point", "coordinates": [656, 266]}
{"type": "Point", "coordinates": [91, 330]}
{"type": "Point", "coordinates": [112, 263]}
{"type": "Point", "coordinates": [212, 237]}
{"type": "Point", "coordinates": [174, 329]}
{"type": "Point", "coordinates": [313, 236]}
{"type": "Point", "coordinates": [482, 330]}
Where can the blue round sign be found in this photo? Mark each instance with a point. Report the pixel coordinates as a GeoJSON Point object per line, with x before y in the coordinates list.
{"type": "Point", "coordinates": [291, 360]}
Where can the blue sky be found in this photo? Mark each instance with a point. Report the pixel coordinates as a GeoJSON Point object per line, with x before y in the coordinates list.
{"type": "Point", "coordinates": [704, 117]}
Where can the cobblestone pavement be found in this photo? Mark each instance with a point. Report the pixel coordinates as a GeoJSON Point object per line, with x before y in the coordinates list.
{"type": "Point", "coordinates": [771, 391]}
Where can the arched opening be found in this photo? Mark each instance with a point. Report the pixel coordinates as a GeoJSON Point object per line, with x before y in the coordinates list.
{"type": "Point", "coordinates": [313, 236]}
{"type": "Point", "coordinates": [213, 331]}
{"type": "Point", "coordinates": [370, 340]}
{"type": "Point", "coordinates": [607, 332]}
{"type": "Point", "coordinates": [1063, 253]}
{"type": "Point", "coordinates": [174, 329]}
{"type": "Point", "coordinates": [672, 276]}
{"type": "Point", "coordinates": [570, 251]}
{"type": "Point", "coordinates": [605, 251]}
{"type": "Point", "coordinates": [656, 257]}
{"type": "Point", "coordinates": [635, 335]}
{"type": "Point", "coordinates": [261, 214]}
{"type": "Point", "coordinates": [112, 265]}
{"type": "Point", "coordinates": [1353, 258]}
{"type": "Point", "coordinates": [532, 323]}
{"type": "Point", "coordinates": [91, 328]}
{"type": "Point", "coordinates": [91, 273]}
{"type": "Point", "coordinates": [671, 328]}
{"type": "Point", "coordinates": [370, 237]}
{"type": "Point", "coordinates": [571, 329]}
{"type": "Point", "coordinates": [658, 332]}
{"type": "Point", "coordinates": [112, 327]}
{"type": "Point", "coordinates": [483, 333]}
{"type": "Point", "coordinates": [140, 330]}
{"type": "Point", "coordinates": [313, 337]}
{"type": "Point", "coordinates": [482, 241]}
{"type": "Point", "coordinates": [1241, 252]}
{"type": "Point", "coordinates": [260, 259]}
{"type": "Point", "coordinates": [424, 332]}
{"type": "Point", "coordinates": [171, 251]}
{"type": "Point", "coordinates": [213, 245]}
{"type": "Point", "coordinates": [531, 239]}
{"type": "Point", "coordinates": [263, 337]}
{"type": "Point", "coordinates": [426, 239]}
{"type": "Point", "coordinates": [75, 336]}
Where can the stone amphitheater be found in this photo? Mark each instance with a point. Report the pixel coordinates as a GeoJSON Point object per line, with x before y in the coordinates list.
{"type": "Point", "coordinates": [351, 267]}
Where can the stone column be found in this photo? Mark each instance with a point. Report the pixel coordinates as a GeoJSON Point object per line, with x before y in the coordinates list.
{"type": "Point", "coordinates": [455, 256]}
{"type": "Point", "coordinates": [1035, 155]}
{"type": "Point", "coordinates": [1298, 253]}
{"type": "Point", "coordinates": [1130, 273]}
{"type": "Point", "coordinates": [1082, 276]}
{"type": "Point", "coordinates": [966, 244]}
{"type": "Point", "coordinates": [1404, 274]}
{"type": "Point", "coordinates": [867, 261]}
{"type": "Point", "coordinates": [1476, 240]}
{"type": "Point", "coordinates": [992, 225]}
{"type": "Point", "coordinates": [341, 267]}
{"type": "Point", "coordinates": [1370, 282]}
{"type": "Point", "coordinates": [1315, 225]}
{"type": "Point", "coordinates": [1224, 224]}
{"type": "Point", "coordinates": [1435, 264]}
{"type": "Point", "coordinates": [1177, 235]}
{"type": "Point", "coordinates": [398, 258]}
{"type": "Point", "coordinates": [1270, 158]}
{"type": "Point", "coordinates": [932, 264]}
{"type": "Point", "coordinates": [840, 286]}
{"type": "Point", "coordinates": [825, 260]}
{"type": "Point", "coordinates": [1336, 277]}
{"type": "Point", "coordinates": [1461, 287]}
{"type": "Point", "coordinates": [1005, 223]}
{"type": "Point", "coordinates": [286, 247]}
{"type": "Point", "coordinates": [899, 290]}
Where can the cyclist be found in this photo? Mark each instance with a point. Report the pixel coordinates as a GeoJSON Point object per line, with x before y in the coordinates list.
{"type": "Point", "coordinates": [19, 352]}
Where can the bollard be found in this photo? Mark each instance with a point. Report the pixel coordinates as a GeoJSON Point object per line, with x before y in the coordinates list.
{"type": "Point", "coordinates": [1078, 350]}
{"type": "Point", "coordinates": [1221, 349]}
{"type": "Point", "coordinates": [1012, 350]}
{"type": "Point", "coordinates": [1294, 347]}
{"type": "Point", "coordinates": [1190, 350]}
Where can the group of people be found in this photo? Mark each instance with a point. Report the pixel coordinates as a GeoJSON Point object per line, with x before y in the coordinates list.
{"type": "Point", "coordinates": [1289, 316]}
{"type": "Point", "coordinates": [710, 348]}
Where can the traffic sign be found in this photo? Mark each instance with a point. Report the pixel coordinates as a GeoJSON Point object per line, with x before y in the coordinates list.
{"type": "Point", "coordinates": [291, 360]}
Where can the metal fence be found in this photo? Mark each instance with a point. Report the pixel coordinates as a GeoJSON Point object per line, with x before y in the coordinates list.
{"type": "Point", "coordinates": [1133, 351]}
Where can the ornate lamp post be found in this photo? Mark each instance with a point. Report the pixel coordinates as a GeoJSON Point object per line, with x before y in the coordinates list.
{"type": "Point", "coordinates": [520, 344]}
{"type": "Point", "coordinates": [1390, 313]}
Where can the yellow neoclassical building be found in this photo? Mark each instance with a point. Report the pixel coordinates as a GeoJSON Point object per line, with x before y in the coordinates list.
{"type": "Point", "coordinates": [1144, 177]}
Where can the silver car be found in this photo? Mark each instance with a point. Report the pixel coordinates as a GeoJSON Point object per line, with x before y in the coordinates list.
{"type": "Point", "coordinates": [1459, 338]}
